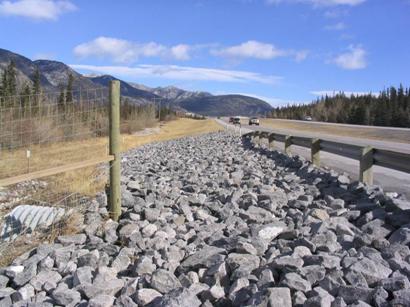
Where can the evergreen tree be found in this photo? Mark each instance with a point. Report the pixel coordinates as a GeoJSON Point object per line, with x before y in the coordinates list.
{"type": "Point", "coordinates": [3, 85]}
{"type": "Point", "coordinates": [25, 97]}
{"type": "Point", "coordinates": [36, 82]}
{"type": "Point", "coordinates": [390, 108]}
{"type": "Point", "coordinates": [11, 79]}
{"type": "Point", "coordinates": [61, 97]}
{"type": "Point", "coordinates": [69, 92]}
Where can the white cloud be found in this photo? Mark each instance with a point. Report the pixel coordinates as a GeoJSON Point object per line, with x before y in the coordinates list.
{"type": "Point", "coordinates": [124, 51]}
{"type": "Point", "coordinates": [251, 49]}
{"type": "Point", "coordinates": [354, 59]}
{"type": "Point", "coordinates": [333, 93]}
{"type": "Point", "coordinates": [258, 50]}
{"type": "Point", "coordinates": [320, 2]}
{"type": "Point", "coordinates": [36, 9]}
{"type": "Point", "coordinates": [181, 52]}
{"type": "Point", "coordinates": [175, 72]}
{"type": "Point", "coordinates": [300, 55]}
{"type": "Point", "coordinates": [336, 12]}
{"type": "Point", "coordinates": [336, 27]}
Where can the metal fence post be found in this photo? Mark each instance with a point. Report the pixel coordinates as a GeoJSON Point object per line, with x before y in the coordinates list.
{"type": "Point", "coordinates": [114, 140]}
{"type": "Point", "coordinates": [315, 152]}
{"type": "Point", "coordinates": [271, 140]}
{"type": "Point", "coordinates": [366, 165]}
{"type": "Point", "coordinates": [288, 143]}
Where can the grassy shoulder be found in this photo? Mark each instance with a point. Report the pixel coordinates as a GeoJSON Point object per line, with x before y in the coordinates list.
{"type": "Point", "coordinates": [88, 181]}
{"type": "Point", "coordinates": [378, 133]}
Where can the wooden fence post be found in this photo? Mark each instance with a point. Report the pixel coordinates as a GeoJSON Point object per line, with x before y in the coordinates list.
{"type": "Point", "coordinates": [114, 140]}
{"type": "Point", "coordinates": [271, 140]}
{"type": "Point", "coordinates": [288, 143]}
{"type": "Point", "coordinates": [315, 152]}
{"type": "Point", "coordinates": [366, 165]}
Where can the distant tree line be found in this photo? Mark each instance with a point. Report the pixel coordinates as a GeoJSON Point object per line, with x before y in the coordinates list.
{"type": "Point", "coordinates": [390, 108]}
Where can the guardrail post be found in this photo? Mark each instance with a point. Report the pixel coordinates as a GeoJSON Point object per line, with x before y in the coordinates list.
{"type": "Point", "coordinates": [315, 152]}
{"type": "Point", "coordinates": [114, 140]}
{"type": "Point", "coordinates": [288, 143]}
{"type": "Point", "coordinates": [366, 165]}
{"type": "Point", "coordinates": [271, 140]}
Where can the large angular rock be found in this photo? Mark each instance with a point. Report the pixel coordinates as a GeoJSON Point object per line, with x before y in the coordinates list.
{"type": "Point", "coordinates": [205, 257]}
{"type": "Point", "coordinates": [23, 294]}
{"type": "Point", "coordinates": [146, 296]}
{"type": "Point", "coordinates": [400, 236]}
{"type": "Point", "coordinates": [82, 276]}
{"type": "Point", "coordinates": [77, 239]}
{"type": "Point", "coordinates": [164, 281]}
{"type": "Point", "coordinates": [268, 232]}
{"type": "Point", "coordinates": [66, 297]}
{"type": "Point", "coordinates": [101, 301]}
{"type": "Point", "coordinates": [288, 263]}
{"type": "Point", "coordinates": [371, 271]}
{"type": "Point", "coordinates": [178, 298]}
{"type": "Point", "coordinates": [242, 265]}
{"type": "Point", "coordinates": [144, 265]}
{"type": "Point", "coordinates": [44, 277]}
{"type": "Point", "coordinates": [351, 294]}
{"type": "Point", "coordinates": [279, 297]}
{"type": "Point", "coordinates": [26, 275]}
{"type": "Point", "coordinates": [296, 282]}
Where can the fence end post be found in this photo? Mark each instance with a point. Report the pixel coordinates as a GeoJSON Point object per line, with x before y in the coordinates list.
{"type": "Point", "coordinates": [115, 144]}
{"type": "Point", "coordinates": [315, 152]}
{"type": "Point", "coordinates": [366, 165]}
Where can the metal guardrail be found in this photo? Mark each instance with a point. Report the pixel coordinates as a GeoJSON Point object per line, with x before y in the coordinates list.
{"type": "Point", "coordinates": [395, 160]}
{"type": "Point", "coordinates": [366, 155]}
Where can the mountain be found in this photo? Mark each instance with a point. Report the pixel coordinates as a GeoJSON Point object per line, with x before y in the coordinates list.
{"type": "Point", "coordinates": [57, 74]}
{"type": "Point", "coordinates": [53, 74]}
{"type": "Point", "coordinates": [226, 105]}
{"type": "Point", "coordinates": [141, 86]}
{"type": "Point", "coordinates": [25, 68]}
{"type": "Point", "coordinates": [177, 94]}
{"type": "Point", "coordinates": [126, 89]}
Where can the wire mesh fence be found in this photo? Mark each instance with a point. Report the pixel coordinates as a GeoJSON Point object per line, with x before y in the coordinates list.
{"type": "Point", "coordinates": [34, 128]}
{"type": "Point", "coordinates": [63, 134]}
{"type": "Point", "coordinates": [43, 132]}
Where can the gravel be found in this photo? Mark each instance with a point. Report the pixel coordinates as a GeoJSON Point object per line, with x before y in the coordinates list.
{"type": "Point", "coordinates": [213, 220]}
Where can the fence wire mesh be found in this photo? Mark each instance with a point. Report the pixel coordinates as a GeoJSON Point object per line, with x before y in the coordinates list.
{"type": "Point", "coordinates": [56, 129]}
{"type": "Point", "coordinates": [51, 129]}
{"type": "Point", "coordinates": [41, 132]}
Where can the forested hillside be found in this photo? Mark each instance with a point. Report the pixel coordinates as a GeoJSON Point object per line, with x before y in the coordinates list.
{"type": "Point", "coordinates": [390, 108]}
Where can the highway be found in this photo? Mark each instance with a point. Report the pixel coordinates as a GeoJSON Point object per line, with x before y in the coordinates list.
{"type": "Point", "coordinates": [390, 180]}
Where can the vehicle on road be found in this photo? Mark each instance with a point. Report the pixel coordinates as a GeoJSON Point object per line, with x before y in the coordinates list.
{"type": "Point", "coordinates": [236, 121]}
{"type": "Point", "coordinates": [231, 119]}
{"type": "Point", "coordinates": [308, 118]}
{"type": "Point", "coordinates": [253, 121]}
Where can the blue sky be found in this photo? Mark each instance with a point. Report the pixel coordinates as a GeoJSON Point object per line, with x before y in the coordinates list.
{"type": "Point", "coordinates": [281, 50]}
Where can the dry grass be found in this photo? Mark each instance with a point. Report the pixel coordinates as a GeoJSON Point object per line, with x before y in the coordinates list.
{"type": "Point", "coordinates": [386, 134]}
{"type": "Point", "coordinates": [89, 180]}
{"type": "Point", "coordinates": [69, 225]}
